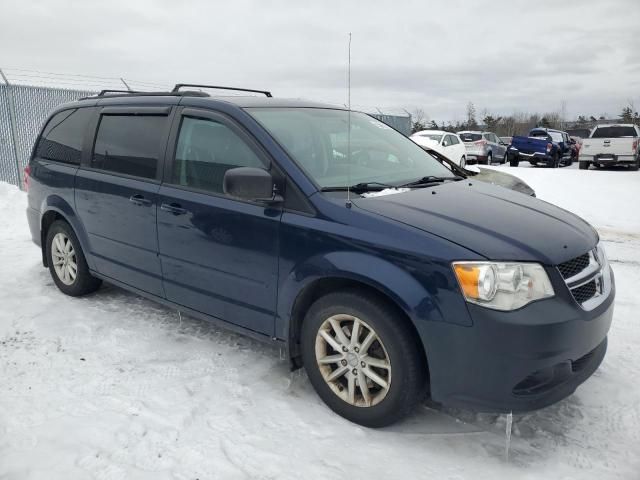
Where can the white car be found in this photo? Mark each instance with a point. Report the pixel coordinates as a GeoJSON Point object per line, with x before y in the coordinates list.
{"type": "Point", "coordinates": [448, 144]}
{"type": "Point", "coordinates": [610, 145]}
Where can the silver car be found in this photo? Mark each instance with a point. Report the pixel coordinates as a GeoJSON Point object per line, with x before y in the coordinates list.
{"type": "Point", "coordinates": [483, 147]}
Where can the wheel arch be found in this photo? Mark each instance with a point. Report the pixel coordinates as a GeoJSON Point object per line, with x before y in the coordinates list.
{"type": "Point", "coordinates": [56, 208]}
{"type": "Point", "coordinates": [395, 287]}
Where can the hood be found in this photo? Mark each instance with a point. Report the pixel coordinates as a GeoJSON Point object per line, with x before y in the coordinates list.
{"type": "Point", "coordinates": [492, 221]}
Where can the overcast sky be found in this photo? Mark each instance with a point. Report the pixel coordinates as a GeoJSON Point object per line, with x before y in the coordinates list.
{"type": "Point", "coordinates": [505, 56]}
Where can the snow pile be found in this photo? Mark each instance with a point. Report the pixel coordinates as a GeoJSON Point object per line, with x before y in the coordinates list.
{"type": "Point", "coordinates": [386, 191]}
{"type": "Point", "coordinates": [112, 386]}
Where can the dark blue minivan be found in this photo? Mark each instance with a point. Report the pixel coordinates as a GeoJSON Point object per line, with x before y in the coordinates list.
{"type": "Point", "coordinates": [325, 231]}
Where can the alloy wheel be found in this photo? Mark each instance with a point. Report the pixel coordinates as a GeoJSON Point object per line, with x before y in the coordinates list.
{"type": "Point", "coordinates": [353, 360]}
{"type": "Point", "coordinates": [64, 259]}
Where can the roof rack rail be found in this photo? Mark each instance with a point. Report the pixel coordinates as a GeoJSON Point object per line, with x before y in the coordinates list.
{"type": "Point", "coordinates": [178, 86]}
{"type": "Point", "coordinates": [103, 92]}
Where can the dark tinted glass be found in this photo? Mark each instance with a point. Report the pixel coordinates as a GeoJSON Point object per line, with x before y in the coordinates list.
{"type": "Point", "coordinates": [129, 144]}
{"type": "Point", "coordinates": [470, 137]}
{"type": "Point", "coordinates": [614, 132]}
{"type": "Point", "coordinates": [62, 138]}
{"type": "Point", "coordinates": [206, 150]}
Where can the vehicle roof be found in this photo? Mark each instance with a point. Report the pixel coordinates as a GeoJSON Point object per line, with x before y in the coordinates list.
{"type": "Point", "coordinates": [616, 125]}
{"type": "Point", "coordinates": [438, 132]}
{"type": "Point", "coordinates": [543, 129]}
{"type": "Point", "coordinates": [479, 132]}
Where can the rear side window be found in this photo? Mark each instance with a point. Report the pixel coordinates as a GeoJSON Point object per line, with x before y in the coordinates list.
{"type": "Point", "coordinates": [62, 138]}
{"type": "Point", "coordinates": [614, 132]}
{"type": "Point", "coordinates": [130, 144]}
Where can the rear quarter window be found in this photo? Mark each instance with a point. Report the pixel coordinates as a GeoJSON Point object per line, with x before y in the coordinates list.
{"type": "Point", "coordinates": [62, 137]}
{"type": "Point", "coordinates": [130, 144]}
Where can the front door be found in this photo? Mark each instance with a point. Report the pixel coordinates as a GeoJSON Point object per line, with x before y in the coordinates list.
{"type": "Point", "coordinates": [116, 195]}
{"type": "Point", "coordinates": [219, 255]}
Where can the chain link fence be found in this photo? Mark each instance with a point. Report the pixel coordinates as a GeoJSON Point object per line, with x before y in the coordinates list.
{"type": "Point", "coordinates": [23, 110]}
{"type": "Point", "coordinates": [25, 105]}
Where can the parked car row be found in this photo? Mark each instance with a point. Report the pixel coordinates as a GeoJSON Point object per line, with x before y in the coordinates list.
{"type": "Point", "coordinates": [606, 145]}
{"type": "Point", "coordinates": [464, 147]}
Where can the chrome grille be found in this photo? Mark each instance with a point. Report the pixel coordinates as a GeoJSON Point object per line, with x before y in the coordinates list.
{"type": "Point", "coordinates": [588, 278]}
{"type": "Point", "coordinates": [584, 292]}
{"type": "Point", "coordinates": [574, 266]}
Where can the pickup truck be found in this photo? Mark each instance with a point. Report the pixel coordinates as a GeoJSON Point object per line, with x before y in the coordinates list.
{"type": "Point", "coordinates": [543, 145]}
{"type": "Point", "coordinates": [611, 145]}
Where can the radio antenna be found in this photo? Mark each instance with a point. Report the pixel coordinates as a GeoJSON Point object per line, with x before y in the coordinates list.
{"type": "Point", "coordinates": [349, 127]}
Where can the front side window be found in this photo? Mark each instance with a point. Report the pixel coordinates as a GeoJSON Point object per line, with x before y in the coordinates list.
{"type": "Point", "coordinates": [62, 138]}
{"type": "Point", "coordinates": [317, 140]}
{"type": "Point", "coordinates": [206, 150]}
{"type": "Point", "coordinates": [130, 144]}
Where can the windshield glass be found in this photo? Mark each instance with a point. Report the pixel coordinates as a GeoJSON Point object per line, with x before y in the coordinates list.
{"type": "Point", "coordinates": [614, 132]}
{"type": "Point", "coordinates": [431, 136]}
{"type": "Point", "coordinates": [316, 138]}
{"type": "Point", "coordinates": [556, 136]}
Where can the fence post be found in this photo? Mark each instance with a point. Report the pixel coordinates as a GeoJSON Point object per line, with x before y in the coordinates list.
{"type": "Point", "coordinates": [12, 123]}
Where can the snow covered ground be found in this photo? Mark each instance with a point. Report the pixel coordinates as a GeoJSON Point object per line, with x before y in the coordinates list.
{"type": "Point", "coordinates": [112, 386]}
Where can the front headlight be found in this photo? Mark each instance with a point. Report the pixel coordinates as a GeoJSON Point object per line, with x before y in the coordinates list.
{"type": "Point", "coordinates": [502, 286]}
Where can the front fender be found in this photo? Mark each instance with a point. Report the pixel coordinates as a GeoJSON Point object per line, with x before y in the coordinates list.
{"type": "Point", "coordinates": [55, 203]}
{"type": "Point", "coordinates": [414, 297]}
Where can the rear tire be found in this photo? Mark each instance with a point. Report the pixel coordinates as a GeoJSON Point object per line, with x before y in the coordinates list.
{"type": "Point", "coordinates": [390, 366]}
{"type": "Point", "coordinates": [583, 165]}
{"type": "Point", "coordinates": [636, 166]}
{"type": "Point", "coordinates": [555, 161]}
{"type": "Point", "coordinates": [66, 261]}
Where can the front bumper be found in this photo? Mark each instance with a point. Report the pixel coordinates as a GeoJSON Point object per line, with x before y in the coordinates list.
{"type": "Point", "coordinates": [517, 361]}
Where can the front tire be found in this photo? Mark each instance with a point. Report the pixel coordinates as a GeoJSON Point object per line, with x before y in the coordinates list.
{"type": "Point", "coordinates": [490, 158]}
{"type": "Point", "coordinates": [66, 261]}
{"type": "Point", "coordinates": [361, 358]}
{"type": "Point", "coordinates": [514, 161]}
{"type": "Point", "coordinates": [583, 165]}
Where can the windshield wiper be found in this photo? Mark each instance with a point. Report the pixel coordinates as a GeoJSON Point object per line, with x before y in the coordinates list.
{"type": "Point", "coordinates": [429, 179]}
{"type": "Point", "coordinates": [359, 187]}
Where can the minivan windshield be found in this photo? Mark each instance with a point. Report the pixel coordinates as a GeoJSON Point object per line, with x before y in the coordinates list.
{"type": "Point", "coordinates": [316, 138]}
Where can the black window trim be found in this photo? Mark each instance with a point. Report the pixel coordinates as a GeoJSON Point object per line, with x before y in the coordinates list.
{"type": "Point", "coordinates": [90, 143]}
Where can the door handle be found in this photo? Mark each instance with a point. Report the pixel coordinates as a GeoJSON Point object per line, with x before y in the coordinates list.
{"type": "Point", "coordinates": [174, 208]}
{"type": "Point", "coordinates": [139, 200]}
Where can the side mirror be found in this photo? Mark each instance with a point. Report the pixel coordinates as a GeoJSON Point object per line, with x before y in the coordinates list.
{"type": "Point", "coordinates": [502, 143]}
{"type": "Point", "coordinates": [248, 183]}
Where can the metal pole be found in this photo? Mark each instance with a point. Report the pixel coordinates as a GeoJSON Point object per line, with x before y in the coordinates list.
{"type": "Point", "coordinates": [12, 123]}
{"type": "Point", "coordinates": [125, 84]}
